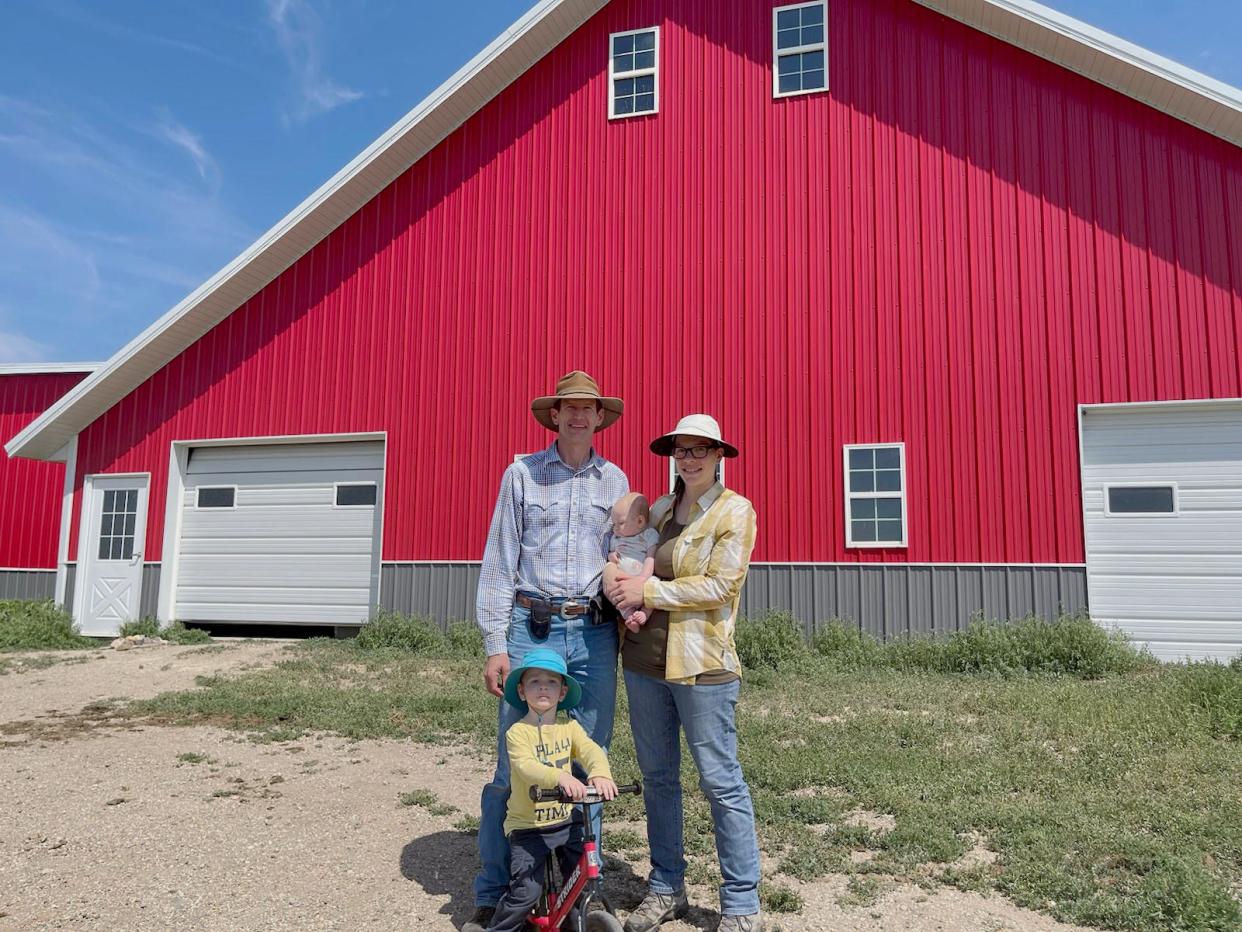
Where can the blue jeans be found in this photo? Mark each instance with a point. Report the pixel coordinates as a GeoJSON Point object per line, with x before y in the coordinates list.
{"type": "Point", "coordinates": [658, 711]}
{"type": "Point", "coordinates": [590, 653]}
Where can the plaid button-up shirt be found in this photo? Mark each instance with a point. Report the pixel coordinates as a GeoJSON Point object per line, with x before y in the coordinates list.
{"type": "Point", "coordinates": [546, 536]}
{"type": "Point", "coordinates": [710, 558]}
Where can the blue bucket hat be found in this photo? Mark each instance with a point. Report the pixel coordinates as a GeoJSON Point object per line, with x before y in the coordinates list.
{"type": "Point", "coordinates": [542, 658]}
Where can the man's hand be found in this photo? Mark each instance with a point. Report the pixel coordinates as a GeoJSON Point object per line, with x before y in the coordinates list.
{"type": "Point", "coordinates": [495, 673]}
{"type": "Point", "coordinates": [571, 786]}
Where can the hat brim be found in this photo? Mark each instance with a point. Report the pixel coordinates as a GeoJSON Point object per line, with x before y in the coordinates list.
{"type": "Point", "coordinates": [571, 700]}
{"type": "Point", "coordinates": [542, 407]}
{"type": "Point", "coordinates": [663, 445]}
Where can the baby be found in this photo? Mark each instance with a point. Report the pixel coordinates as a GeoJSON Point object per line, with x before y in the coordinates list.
{"type": "Point", "coordinates": [634, 544]}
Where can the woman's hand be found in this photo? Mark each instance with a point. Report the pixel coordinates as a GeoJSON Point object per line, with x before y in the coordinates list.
{"type": "Point", "coordinates": [612, 586]}
{"type": "Point", "coordinates": [629, 593]}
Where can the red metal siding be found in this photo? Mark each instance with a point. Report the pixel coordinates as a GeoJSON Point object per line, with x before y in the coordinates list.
{"type": "Point", "coordinates": [953, 248]}
{"type": "Point", "coordinates": [31, 490]}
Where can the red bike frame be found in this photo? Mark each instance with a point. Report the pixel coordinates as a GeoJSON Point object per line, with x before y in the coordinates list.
{"type": "Point", "coordinates": [554, 908]}
{"type": "Point", "coordinates": [559, 906]}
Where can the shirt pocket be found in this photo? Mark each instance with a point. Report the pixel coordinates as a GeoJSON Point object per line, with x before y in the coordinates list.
{"type": "Point", "coordinates": [544, 517]}
{"type": "Point", "coordinates": [694, 550]}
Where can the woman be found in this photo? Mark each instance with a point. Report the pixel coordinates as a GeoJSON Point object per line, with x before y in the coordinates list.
{"type": "Point", "coordinates": [682, 673]}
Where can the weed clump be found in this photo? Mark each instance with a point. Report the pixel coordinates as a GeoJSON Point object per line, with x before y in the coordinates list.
{"type": "Point", "coordinates": [409, 633]}
{"type": "Point", "coordinates": [771, 642]}
{"type": "Point", "coordinates": [1216, 690]}
{"type": "Point", "coordinates": [847, 648]}
{"type": "Point", "coordinates": [1069, 646]}
{"type": "Point", "coordinates": [26, 625]}
{"type": "Point", "coordinates": [175, 633]}
{"type": "Point", "coordinates": [465, 639]}
{"type": "Point", "coordinates": [1072, 645]}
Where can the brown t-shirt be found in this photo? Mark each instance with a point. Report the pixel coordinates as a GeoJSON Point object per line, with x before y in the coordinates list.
{"type": "Point", "coordinates": [643, 651]}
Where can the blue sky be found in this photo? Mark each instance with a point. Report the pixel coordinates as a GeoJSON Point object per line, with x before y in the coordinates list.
{"type": "Point", "coordinates": [145, 143]}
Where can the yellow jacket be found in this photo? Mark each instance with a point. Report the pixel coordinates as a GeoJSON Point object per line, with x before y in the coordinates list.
{"type": "Point", "coordinates": [711, 559]}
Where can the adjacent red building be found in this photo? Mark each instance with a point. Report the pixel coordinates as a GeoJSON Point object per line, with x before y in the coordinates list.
{"type": "Point", "coordinates": [917, 258]}
{"type": "Point", "coordinates": [33, 491]}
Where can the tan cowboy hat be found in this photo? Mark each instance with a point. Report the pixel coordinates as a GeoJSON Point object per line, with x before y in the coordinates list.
{"type": "Point", "coordinates": [693, 425]}
{"type": "Point", "coordinates": [576, 384]}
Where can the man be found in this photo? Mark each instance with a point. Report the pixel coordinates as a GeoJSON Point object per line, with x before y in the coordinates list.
{"type": "Point", "coordinates": [541, 569]}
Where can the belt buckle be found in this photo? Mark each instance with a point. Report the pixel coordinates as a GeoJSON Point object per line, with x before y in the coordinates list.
{"type": "Point", "coordinates": [572, 608]}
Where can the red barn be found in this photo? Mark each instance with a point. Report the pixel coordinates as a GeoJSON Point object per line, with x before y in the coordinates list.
{"type": "Point", "coordinates": [34, 493]}
{"type": "Point", "coordinates": [962, 279]}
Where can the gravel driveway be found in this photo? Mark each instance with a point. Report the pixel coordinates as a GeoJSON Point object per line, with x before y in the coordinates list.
{"type": "Point", "coordinates": [107, 825]}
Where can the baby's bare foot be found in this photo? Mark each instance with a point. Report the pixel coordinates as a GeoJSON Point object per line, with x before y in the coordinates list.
{"type": "Point", "coordinates": [636, 621]}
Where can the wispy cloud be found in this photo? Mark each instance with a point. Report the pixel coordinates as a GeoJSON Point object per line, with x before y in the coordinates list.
{"type": "Point", "coordinates": [180, 136]}
{"type": "Point", "coordinates": [72, 12]}
{"type": "Point", "coordinates": [32, 243]}
{"type": "Point", "coordinates": [298, 29]}
{"type": "Point", "coordinates": [99, 231]}
{"type": "Point", "coordinates": [17, 348]}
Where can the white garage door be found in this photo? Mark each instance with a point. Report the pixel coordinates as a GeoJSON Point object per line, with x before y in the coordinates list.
{"type": "Point", "coordinates": [1162, 511]}
{"type": "Point", "coordinates": [281, 533]}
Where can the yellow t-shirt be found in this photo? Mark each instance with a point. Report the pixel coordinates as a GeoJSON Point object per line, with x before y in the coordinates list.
{"type": "Point", "coordinates": [537, 755]}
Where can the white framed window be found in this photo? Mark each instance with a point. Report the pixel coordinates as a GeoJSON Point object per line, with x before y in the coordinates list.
{"type": "Point", "coordinates": [800, 49]}
{"type": "Point", "coordinates": [875, 495]}
{"type": "Point", "coordinates": [634, 73]}
{"type": "Point", "coordinates": [217, 496]}
{"type": "Point", "coordinates": [1141, 500]}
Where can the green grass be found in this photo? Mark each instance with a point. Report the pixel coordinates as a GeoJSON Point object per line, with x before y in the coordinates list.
{"type": "Point", "coordinates": [175, 633]}
{"type": "Point", "coordinates": [426, 799]}
{"type": "Point", "coordinates": [194, 757]}
{"type": "Point", "coordinates": [26, 625]}
{"type": "Point", "coordinates": [1104, 785]}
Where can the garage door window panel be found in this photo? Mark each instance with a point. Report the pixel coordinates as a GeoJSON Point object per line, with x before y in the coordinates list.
{"type": "Point", "coordinates": [361, 495]}
{"type": "Point", "coordinates": [217, 497]}
{"type": "Point", "coordinates": [1143, 501]}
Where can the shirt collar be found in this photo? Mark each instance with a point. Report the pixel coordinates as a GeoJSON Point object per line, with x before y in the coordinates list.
{"type": "Point", "coordinates": [708, 498]}
{"type": "Point", "coordinates": [594, 461]}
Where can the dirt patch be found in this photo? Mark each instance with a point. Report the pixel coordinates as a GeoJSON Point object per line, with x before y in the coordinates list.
{"type": "Point", "coordinates": [113, 824]}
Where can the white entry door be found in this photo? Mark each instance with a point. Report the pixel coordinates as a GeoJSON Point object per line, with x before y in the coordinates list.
{"type": "Point", "coordinates": [114, 531]}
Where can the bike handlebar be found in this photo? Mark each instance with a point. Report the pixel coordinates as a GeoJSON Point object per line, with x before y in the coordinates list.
{"type": "Point", "coordinates": [592, 794]}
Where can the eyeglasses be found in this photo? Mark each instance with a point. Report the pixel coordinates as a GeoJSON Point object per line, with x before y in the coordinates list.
{"type": "Point", "coordinates": [699, 452]}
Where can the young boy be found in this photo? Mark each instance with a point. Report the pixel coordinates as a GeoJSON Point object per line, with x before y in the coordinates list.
{"type": "Point", "coordinates": [540, 754]}
{"type": "Point", "coordinates": [634, 544]}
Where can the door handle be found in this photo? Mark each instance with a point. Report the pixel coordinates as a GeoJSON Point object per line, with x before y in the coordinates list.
{"type": "Point", "coordinates": [136, 558]}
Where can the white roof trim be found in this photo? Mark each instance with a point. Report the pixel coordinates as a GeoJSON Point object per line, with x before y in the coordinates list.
{"type": "Point", "coordinates": [1156, 81]}
{"type": "Point", "coordinates": [519, 47]}
{"type": "Point", "coordinates": [1129, 69]}
{"type": "Point", "coordinates": [45, 368]}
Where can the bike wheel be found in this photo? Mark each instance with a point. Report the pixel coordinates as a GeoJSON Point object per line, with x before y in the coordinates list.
{"type": "Point", "coordinates": [600, 921]}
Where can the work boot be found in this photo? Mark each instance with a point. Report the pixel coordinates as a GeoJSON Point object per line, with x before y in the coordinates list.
{"type": "Point", "coordinates": [481, 919]}
{"type": "Point", "coordinates": [751, 923]}
{"type": "Point", "coordinates": [657, 908]}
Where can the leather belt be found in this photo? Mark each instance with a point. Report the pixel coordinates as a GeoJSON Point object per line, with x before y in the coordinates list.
{"type": "Point", "coordinates": [566, 608]}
